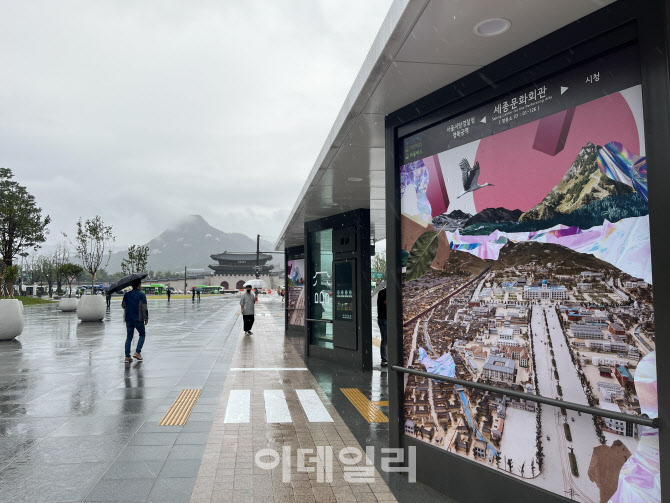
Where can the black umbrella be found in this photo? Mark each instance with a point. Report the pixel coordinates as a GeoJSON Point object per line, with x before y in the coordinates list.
{"type": "Point", "coordinates": [125, 282]}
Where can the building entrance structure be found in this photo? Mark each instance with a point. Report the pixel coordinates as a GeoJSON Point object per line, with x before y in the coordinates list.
{"type": "Point", "coordinates": [234, 269]}
{"type": "Point", "coordinates": [496, 142]}
{"type": "Point", "coordinates": [338, 314]}
{"type": "Point", "coordinates": [327, 316]}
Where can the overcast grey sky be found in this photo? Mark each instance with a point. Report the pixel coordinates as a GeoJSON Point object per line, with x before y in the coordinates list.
{"type": "Point", "coordinates": [146, 110]}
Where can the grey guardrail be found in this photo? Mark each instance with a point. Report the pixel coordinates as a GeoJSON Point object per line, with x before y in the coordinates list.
{"type": "Point", "coordinates": [594, 411]}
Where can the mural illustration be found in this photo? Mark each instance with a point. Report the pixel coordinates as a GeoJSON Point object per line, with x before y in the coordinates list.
{"type": "Point", "coordinates": [295, 292]}
{"type": "Point", "coordinates": [527, 265]}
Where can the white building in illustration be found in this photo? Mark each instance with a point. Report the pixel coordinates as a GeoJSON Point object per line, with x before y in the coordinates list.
{"type": "Point", "coordinates": [617, 426]}
{"type": "Point", "coordinates": [545, 292]}
{"type": "Point", "coordinates": [499, 368]}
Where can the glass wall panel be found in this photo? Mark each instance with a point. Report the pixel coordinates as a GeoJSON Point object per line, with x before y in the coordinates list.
{"type": "Point", "coordinates": [320, 303]}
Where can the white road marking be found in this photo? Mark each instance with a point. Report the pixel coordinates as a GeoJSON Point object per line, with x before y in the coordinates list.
{"type": "Point", "coordinates": [250, 369]}
{"type": "Point", "coordinates": [313, 407]}
{"type": "Point", "coordinates": [238, 409]}
{"type": "Point", "coordinates": [276, 408]}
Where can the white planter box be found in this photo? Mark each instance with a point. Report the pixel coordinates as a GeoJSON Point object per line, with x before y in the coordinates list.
{"type": "Point", "coordinates": [91, 308]}
{"type": "Point", "coordinates": [68, 304]}
{"type": "Point", "coordinates": [11, 319]}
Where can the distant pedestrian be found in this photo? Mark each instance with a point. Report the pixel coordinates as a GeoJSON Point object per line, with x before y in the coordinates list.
{"type": "Point", "coordinates": [136, 316]}
{"type": "Point", "coordinates": [109, 298]}
{"type": "Point", "coordinates": [197, 292]}
{"type": "Point", "coordinates": [169, 292]}
{"type": "Point", "coordinates": [282, 295]}
{"type": "Point", "coordinates": [381, 321]}
{"type": "Point", "coordinates": [193, 294]}
{"type": "Point", "coordinates": [247, 302]}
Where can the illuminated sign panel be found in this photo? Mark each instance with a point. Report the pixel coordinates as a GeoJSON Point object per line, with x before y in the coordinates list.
{"type": "Point", "coordinates": [527, 265]}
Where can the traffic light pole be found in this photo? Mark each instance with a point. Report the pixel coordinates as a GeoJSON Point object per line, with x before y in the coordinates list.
{"type": "Point", "coordinates": [258, 253]}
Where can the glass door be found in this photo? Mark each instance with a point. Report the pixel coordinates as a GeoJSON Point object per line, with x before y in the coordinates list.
{"type": "Point", "coordinates": [320, 302]}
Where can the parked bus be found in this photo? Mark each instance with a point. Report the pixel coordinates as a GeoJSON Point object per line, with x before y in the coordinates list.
{"type": "Point", "coordinates": [154, 289]}
{"type": "Point", "coordinates": [208, 289]}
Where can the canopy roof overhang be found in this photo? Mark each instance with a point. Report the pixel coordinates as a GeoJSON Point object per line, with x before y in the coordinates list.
{"type": "Point", "coordinates": [422, 46]}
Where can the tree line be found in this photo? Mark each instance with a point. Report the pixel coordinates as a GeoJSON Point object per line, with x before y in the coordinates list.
{"type": "Point", "coordinates": [23, 230]}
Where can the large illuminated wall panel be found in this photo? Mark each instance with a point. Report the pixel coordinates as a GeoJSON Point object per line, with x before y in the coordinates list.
{"type": "Point", "coordinates": [535, 275]}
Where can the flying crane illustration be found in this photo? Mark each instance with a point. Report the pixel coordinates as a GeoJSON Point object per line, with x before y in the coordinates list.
{"type": "Point", "coordinates": [470, 176]}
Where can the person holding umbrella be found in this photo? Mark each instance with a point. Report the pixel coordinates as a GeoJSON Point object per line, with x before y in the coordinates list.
{"type": "Point", "coordinates": [247, 302]}
{"type": "Point", "coordinates": [136, 316]}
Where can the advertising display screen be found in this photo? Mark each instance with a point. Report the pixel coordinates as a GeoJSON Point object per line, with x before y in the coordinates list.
{"type": "Point", "coordinates": [344, 291]}
{"type": "Point", "coordinates": [295, 292]}
{"type": "Point", "coordinates": [527, 265]}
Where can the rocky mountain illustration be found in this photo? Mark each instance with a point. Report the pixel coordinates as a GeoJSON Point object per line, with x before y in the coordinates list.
{"type": "Point", "coordinates": [454, 220]}
{"type": "Point", "coordinates": [463, 264]}
{"type": "Point", "coordinates": [556, 256]}
{"type": "Point", "coordinates": [582, 184]}
{"type": "Point", "coordinates": [612, 208]}
{"type": "Point", "coordinates": [189, 243]}
{"type": "Point", "coordinates": [494, 215]}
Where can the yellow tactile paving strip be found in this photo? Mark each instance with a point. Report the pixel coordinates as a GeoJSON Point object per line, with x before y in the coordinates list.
{"type": "Point", "coordinates": [381, 403]}
{"type": "Point", "coordinates": [367, 409]}
{"type": "Point", "coordinates": [181, 408]}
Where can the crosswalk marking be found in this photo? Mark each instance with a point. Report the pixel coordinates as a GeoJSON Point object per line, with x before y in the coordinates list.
{"type": "Point", "coordinates": [313, 407]}
{"type": "Point", "coordinates": [276, 408]}
{"type": "Point", "coordinates": [239, 406]}
{"type": "Point", "coordinates": [238, 409]}
{"type": "Point", "coordinates": [247, 369]}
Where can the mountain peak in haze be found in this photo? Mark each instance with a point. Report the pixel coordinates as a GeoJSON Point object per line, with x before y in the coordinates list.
{"type": "Point", "coordinates": [189, 242]}
{"type": "Point", "coordinates": [189, 220]}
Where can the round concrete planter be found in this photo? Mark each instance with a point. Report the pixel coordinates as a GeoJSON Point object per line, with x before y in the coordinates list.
{"type": "Point", "coordinates": [11, 319]}
{"type": "Point", "coordinates": [68, 304]}
{"type": "Point", "coordinates": [91, 308]}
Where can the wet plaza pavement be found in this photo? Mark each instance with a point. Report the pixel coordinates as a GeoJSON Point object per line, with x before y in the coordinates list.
{"type": "Point", "coordinates": [78, 424]}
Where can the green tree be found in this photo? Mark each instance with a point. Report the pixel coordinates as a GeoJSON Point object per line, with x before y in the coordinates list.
{"type": "Point", "coordinates": [21, 224]}
{"type": "Point", "coordinates": [379, 263]}
{"type": "Point", "coordinates": [60, 256]}
{"type": "Point", "coordinates": [136, 261]}
{"type": "Point", "coordinates": [48, 271]}
{"type": "Point", "coordinates": [68, 272]}
{"type": "Point", "coordinates": [10, 276]}
{"type": "Point", "coordinates": [93, 244]}
{"type": "Point", "coordinates": [33, 272]}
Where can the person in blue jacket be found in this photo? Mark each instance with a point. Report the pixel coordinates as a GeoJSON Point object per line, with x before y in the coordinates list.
{"type": "Point", "coordinates": [136, 316]}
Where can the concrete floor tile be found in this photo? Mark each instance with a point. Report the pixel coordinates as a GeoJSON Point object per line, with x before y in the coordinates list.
{"type": "Point", "coordinates": [121, 490]}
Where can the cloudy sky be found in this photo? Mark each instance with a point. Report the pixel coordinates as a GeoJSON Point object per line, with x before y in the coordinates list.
{"type": "Point", "coordinates": [143, 111]}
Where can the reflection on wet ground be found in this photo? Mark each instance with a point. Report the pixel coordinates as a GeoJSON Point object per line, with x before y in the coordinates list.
{"type": "Point", "coordinates": [77, 423]}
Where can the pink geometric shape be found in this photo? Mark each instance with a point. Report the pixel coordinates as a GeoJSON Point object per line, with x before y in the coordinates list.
{"type": "Point", "coordinates": [437, 190]}
{"type": "Point", "coordinates": [552, 132]}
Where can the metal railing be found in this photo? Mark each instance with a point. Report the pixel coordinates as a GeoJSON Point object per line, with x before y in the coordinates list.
{"type": "Point", "coordinates": [594, 411]}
